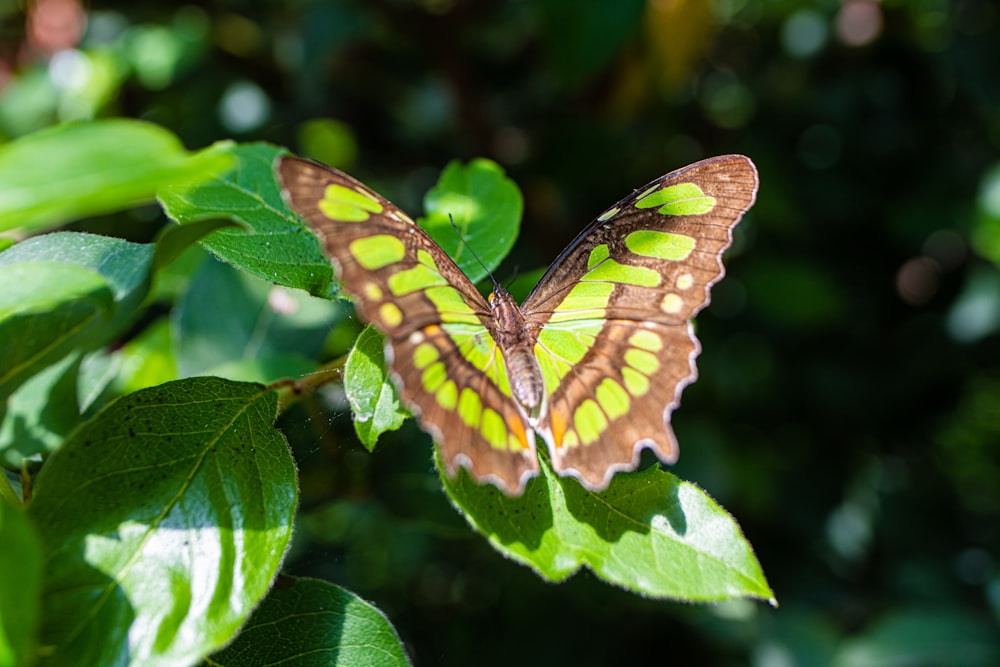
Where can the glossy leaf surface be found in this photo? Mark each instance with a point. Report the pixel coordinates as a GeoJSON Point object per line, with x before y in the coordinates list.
{"type": "Point", "coordinates": [163, 522]}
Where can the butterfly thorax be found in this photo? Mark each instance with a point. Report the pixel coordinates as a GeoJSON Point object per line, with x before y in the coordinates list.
{"type": "Point", "coordinates": [516, 344]}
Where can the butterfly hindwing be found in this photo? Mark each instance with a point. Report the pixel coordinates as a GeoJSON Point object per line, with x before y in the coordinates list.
{"type": "Point", "coordinates": [436, 323]}
{"type": "Point", "coordinates": [612, 316]}
{"type": "Point", "coordinates": [457, 379]}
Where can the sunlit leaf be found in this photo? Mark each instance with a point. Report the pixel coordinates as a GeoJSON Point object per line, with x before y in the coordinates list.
{"type": "Point", "coordinates": [485, 206]}
{"type": "Point", "coordinates": [269, 243]}
{"type": "Point", "coordinates": [80, 169]}
{"type": "Point", "coordinates": [649, 532]}
{"type": "Point", "coordinates": [163, 522]}
{"type": "Point", "coordinates": [374, 401]}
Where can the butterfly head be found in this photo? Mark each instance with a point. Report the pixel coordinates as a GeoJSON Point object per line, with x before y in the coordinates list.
{"type": "Point", "coordinates": [499, 298]}
{"type": "Point", "coordinates": [494, 298]}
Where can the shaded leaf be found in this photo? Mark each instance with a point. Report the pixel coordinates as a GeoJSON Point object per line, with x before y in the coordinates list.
{"type": "Point", "coordinates": [163, 521]}
{"type": "Point", "coordinates": [20, 584]}
{"type": "Point", "coordinates": [371, 393]}
{"type": "Point", "coordinates": [328, 141]}
{"type": "Point", "coordinates": [41, 412]}
{"type": "Point", "coordinates": [649, 532]}
{"type": "Point", "coordinates": [124, 265]}
{"type": "Point", "coordinates": [176, 239]}
{"type": "Point", "coordinates": [227, 318]}
{"type": "Point", "coordinates": [66, 291]}
{"type": "Point", "coordinates": [310, 622]}
{"type": "Point", "coordinates": [985, 233]}
{"type": "Point", "coordinates": [47, 310]}
{"type": "Point", "coordinates": [148, 359]}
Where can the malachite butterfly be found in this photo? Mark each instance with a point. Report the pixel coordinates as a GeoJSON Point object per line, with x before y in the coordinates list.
{"type": "Point", "coordinates": [595, 359]}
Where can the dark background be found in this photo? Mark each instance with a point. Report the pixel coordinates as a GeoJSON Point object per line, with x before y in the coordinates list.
{"type": "Point", "coordinates": [848, 409]}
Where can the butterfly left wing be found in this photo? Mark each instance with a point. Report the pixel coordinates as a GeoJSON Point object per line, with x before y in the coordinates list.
{"type": "Point", "coordinates": [612, 316]}
{"type": "Point", "coordinates": [437, 326]}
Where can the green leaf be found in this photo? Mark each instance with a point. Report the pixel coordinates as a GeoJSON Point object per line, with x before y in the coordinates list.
{"type": "Point", "coordinates": [41, 412]}
{"type": "Point", "coordinates": [47, 310]}
{"type": "Point", "coordinates": [125, 265]}
{"type": "Point", "coordinates": [163, 521]}
{"type": "Point", "coordinates": [176, 239]}
{"type": "Point", "coordinates": [148, 359]}
{"type": "Point", "coordinates": [486, 207]}
{"type": "Point", "coordinates": [98, 371]}
{"type": "Point", "coordinates": [20, 585]}
{"type": "Point", "coordinates": [308, 622]}
{"type": "Point", "coordinates": [7, 492]}
{"type": "Point", "coordinates": [278, 248]}
{"type": "Point", "coordinates": [230, 323]}
{"type": "Point", "coordinates": [79, 169]}
{"type": "Point", "coordinates": [374, 402]}
{"type": "Point", "coordinates": [649, 532]}
{"type": "Point", "coordinates": [65, 291]}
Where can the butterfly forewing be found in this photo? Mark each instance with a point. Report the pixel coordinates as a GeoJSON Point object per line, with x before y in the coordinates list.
{"type": "Point", "coordinates": [663, 241]}
{"type": "Point", "coordinates": [612, 316]}
{"type": "Point", "coordinates": [437, 325]}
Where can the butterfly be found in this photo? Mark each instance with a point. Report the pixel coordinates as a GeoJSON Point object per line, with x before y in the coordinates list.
{"type": "Point", "coordinates": [593, 361]}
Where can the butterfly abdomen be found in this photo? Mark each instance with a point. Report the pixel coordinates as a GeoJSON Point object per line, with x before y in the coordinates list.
{"type": "Point", "coordinates": [525, 378]}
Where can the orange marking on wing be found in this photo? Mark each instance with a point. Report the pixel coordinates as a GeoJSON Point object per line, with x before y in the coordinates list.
{"type": "Point", "coordinates": [558, 427]}
{"type": "Point", "coordinates": [516, 427]}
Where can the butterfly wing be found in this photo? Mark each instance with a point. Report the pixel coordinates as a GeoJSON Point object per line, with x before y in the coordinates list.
{"type": "Point", "coordinates": [612, 316]}
{"type": "Point", "coordinates": [445, 359]}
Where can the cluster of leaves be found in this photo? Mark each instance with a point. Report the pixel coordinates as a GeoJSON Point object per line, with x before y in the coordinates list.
{"type": "Point", "coordinates": [846, 408]}
{"type": "Point", "coordinates": [160, 497]}
{"type": "Point", "coordinates": [157, 513]}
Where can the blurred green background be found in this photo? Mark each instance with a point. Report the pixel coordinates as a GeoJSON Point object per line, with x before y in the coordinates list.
{"type": "Point", "coordinates": [848, 407]}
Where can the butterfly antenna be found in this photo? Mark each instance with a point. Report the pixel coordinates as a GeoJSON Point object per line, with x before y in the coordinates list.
{"type": "Point", "coordinates": [466, 244]}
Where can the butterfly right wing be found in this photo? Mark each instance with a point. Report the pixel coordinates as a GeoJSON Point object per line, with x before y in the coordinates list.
{"type": "Point", "coordinates": [615, 343]}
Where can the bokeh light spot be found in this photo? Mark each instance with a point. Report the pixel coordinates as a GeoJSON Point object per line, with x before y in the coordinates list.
{"type": "Point", "coordinates": [917, 280]}
{"type": "Point", "coordinates": [244, 107]}
{"type": "Point", "coordinates": [804, 33]}
{"type": "Point", "coordinates": [859, 22]}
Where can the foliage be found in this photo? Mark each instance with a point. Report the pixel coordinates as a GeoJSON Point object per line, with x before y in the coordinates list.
{"type": "Point", "coordinates": [186, 482]}
{"type": "Point", "coordinates": [846, 406]}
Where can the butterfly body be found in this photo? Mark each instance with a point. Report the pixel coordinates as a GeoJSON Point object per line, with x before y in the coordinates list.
{"type": "Point", "coordinates": [515, 341]}
{"type": "Point", "coordinates": [593, 361]}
